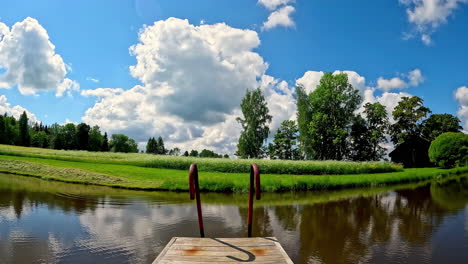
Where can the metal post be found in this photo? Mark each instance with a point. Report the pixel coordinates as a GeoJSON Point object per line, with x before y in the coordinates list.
{"type": "Point", "coordinates": [254, 175]}
{"type": "Point", "coordinates": [194, 190]}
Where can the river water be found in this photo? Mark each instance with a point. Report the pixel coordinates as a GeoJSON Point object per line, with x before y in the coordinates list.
{"type": "Point", "coordinates": [51, 222]}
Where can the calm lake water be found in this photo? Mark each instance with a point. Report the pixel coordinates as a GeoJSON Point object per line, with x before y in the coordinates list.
{"type": "Point", "coordinates": [51, 222]}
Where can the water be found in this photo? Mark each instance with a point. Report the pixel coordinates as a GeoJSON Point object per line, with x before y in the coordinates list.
{"type": "Point", "coordinates": [50, 222]}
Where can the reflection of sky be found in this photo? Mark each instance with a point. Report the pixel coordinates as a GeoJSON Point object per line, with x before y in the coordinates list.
{"type": "Point", "coordinates": [109, 230]}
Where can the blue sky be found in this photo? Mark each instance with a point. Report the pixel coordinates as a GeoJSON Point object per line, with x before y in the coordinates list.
{"type": "Point", "coordinates": [373, 39]}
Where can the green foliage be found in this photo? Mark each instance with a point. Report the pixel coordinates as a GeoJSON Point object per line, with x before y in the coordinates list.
{"type": "Point", "coordinates": [206, 164]}
{"type": "Point", "coordinates": [174, 152]}
{"type": "Point", "coordinates": [186, 154]}
{"type": "Point", "coordinates": [122, 143]}
{"type": "Point", "coordinates": [284, 146]}
{"type": "Point", "coordinates": [331, 108]}
{"type": "Point", "coordinates": [69, 136]}
{"type": "Point", "coordinates": [304, 117]}
{"type": "Point", "coordinates": [255, 128]}
{"type": "Point", "coordinates": [95, 139]}
{"type": "Point", "coordinates": [193, 153]}
{"type": "Point", "coordinates": [39, 140]}
{"type": "Point", "coordinates": [25, 138]}
{"type": "Point", "coordinates": [155, 146]}
{"type": "Point", "coordinates": [82, 134]}
{"type": "Point", "coordinates": [368, 134]}
{"type": "Point", "coordinates": [206, 153]}
{"type": "Point", "coordinates": [438, 124]}
{"type": "Point", "coordinates": [450, 149]}
{"type": "Point", "coordinates": [408, 115]}
{"type": "Point", "coordinates": [105, 143]}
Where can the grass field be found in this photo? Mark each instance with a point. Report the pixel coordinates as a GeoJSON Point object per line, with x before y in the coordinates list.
{"type": "Point", "coordinates": [205, 164]}
{"type": "Point", "coordinates": [143, 178]}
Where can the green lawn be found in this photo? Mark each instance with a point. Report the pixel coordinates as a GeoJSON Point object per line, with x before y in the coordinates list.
{"type": "Point", "coordinates": [135, 177]}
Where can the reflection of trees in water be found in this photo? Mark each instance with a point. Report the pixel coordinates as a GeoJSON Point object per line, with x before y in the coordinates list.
{"type": "Point", "coordinates": [20, 198]}
{"type": "Point", "coordinates": [345, 231]}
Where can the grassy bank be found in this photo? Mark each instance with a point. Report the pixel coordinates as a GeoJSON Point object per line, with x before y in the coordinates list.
{"type": "Point", "coordinates": [205, 164]}
{"type": "Point", "coordinates": [134, 177]}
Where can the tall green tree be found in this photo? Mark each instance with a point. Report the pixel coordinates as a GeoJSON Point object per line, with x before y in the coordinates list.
{"type": "Point", "coordinates": [331, 107]}
{"type": "Point", "coordinates": [95, 139]}
{"type": "Point", "coordinates": [69, 135]}
{"type": "Point", "coordinates": [25, 138]}
{"type": "Point", "coordinates": [377, 125]}
{"type": "Point", "coordinates": [360, 140]}
{"type": "Point", "coordinates": [408, 115]}
{"type": "Point", "coordinates": [2, 130]}
{"type": "Point", "coordinates": [151, 146]}
{"type": "Point", "coordinates": [122, 143]}
{"type": "Point", "coordinates": [160, 149]}
{"type": "Point", "coordinates": [82, 134]}
{"type": "Point", "coordinates": [438, 124]}
{"type": "Point", "coordinates": [255, 123]}
{"type": "Point", "coordinates": [304, 117]}
{"type": "Point", "coordinates": [39, 140]}
{"type": "Point", "coordinates": [284, 146]}
{"type": "Point", "coordinates": [105, 143]}
{"type": "Point", "coordinates": [193, 153]}
{"type": "Point", "coordinates": [411, 148]}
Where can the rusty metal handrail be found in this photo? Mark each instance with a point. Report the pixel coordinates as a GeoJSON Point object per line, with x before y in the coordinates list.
{"type": "Point", "coordinates": [254, 174]}
{"type": "Point", "coordinates": [194, 190]}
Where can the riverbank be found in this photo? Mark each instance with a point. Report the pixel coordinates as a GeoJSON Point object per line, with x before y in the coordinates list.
{"type": "Point", "coordinates": [141, 178]}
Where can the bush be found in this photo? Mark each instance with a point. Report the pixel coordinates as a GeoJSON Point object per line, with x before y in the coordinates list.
{"type": "Point", "coordinates": [449, 149]}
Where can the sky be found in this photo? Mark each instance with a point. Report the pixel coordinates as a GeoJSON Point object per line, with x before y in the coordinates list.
{"type": "Point", "coordinates": [179, 68]}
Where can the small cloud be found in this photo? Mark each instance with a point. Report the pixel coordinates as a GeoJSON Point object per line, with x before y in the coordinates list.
{"type": "Point", "coordinates": [94, 80]}
{"type": "Point", "coordinates": [280, 17]}
{"type": "Point", "coordinates": [202, 22]}
{"type": "Point", "coordinates": [413, 78]}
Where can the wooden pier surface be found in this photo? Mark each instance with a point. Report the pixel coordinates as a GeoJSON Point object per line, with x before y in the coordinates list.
{"type": "Point", "coordinates": [223, 250]}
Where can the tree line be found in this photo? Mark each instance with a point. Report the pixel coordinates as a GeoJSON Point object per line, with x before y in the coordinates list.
{"type": "Point", "coordinates": [80, 137]}
{"type": "Point", "coordinates": [330, 126]}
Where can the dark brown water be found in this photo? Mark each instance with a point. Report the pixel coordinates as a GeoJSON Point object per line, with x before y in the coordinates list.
{"type": "Point", "coordinates": [49, 222]}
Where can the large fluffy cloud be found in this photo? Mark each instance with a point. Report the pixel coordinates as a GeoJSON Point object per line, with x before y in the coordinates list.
{"type": "Point", "coordinates": [29, 60]}
{"type": "Point", "coordinates": [193, 79]}
{"type": "Point", "coordinates": [15, 111]}
{"type": "Point", "coordinates": [461, 95]}
{"type": "Point", "coordinates": [428, 15]}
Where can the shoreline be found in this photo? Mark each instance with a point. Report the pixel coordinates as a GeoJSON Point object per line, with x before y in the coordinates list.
{"type": "Point", "coordinates": [152, 179]}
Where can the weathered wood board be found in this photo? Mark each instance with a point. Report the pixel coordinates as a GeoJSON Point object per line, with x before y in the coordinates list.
{"type": "Point", "coordinates": [223, 250]}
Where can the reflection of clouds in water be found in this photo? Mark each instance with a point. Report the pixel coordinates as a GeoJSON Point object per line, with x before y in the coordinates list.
{"type": "Point", "coordinates": [466, 220]}
{"type": "Point", "coordinates": [141, 231]}
{"type": "Point", "coordinates": [7, 214]}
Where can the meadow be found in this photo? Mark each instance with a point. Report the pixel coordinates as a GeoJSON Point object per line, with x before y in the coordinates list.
{"type": "Point", "coordinates": [205, 164]}
{"type": "Point", "coordinates": [77, 167]}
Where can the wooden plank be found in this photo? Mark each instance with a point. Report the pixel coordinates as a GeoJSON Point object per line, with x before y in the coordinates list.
{"type": "Point", "coordinates": [223, 250]}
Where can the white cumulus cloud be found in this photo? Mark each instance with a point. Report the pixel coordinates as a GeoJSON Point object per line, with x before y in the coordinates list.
{"type": "Point", "coordinates": [413, 78]}
{"type": "Point", "coordinates": [461, 95]}
{"type": "Point", "coordinates": [29, 60]}
{"type": "Point", "coordinates": [14, 111]}
{"type": "Point", "coordinates": [428, 15]}
{"type": "Point", "coordinates": [280, 17]}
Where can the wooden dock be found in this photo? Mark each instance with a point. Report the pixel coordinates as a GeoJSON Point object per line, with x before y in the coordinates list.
{"type": "Point", "coordinates": [223, 250]}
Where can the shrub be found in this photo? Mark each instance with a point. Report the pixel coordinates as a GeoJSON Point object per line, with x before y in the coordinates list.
{"type": "Point", "coordinates": [449, 149]}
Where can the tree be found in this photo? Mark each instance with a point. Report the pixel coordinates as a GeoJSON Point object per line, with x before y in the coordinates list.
{"type": "Point", "coordinates": [186, 154]}
{"type": "Point", "coordinates": [193, 153]}
{"type": "Point", "coordinates": [122, 143]}
{"type": "Point", "coordinates": [331, 107]}
{"type": "Point", "coordinates": [450, 149]}
{"type": "Point", "coordinates": [174, 152]}
{"type": "Point", "coordinates": [408, 115]}
{"type": "Point", "coordinates": [151, 146]}
{"type": "Point", "coordinates": [255, 128]}
{"type": "Point", "coordinates": [25, 139]}
{"type": "Point", "coordinates": [377, 126]}
{"type": "Point", "coordinates": [105, 143]}
{"type": "Point", "coordinates": [284, 146]}
{"type": "Point", "coordinates": [205, 153]}
{"type": "Point", "coordinates": [160, 149]}
{"type": "Point", "coordinates": [360, 139]}
{"type": "Point", "coordinates": [69, 135]}
{"type": "Point", "coordinates": [226, 156]}
{"type": "Point", "coordinates": [411, 148]}
{"type": "Point", "coordinates": [39, 140]}
{"type": "Point", "coordinates": [2, 130]}
{"type": "Point", "coordinates": [304, 117]}
{"type": "Point", "coordinates": [438, 124]}
{"type": "Point", "coordinates": [95, 139]}
{"type": "Point", "coordinates": [82, 135]}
